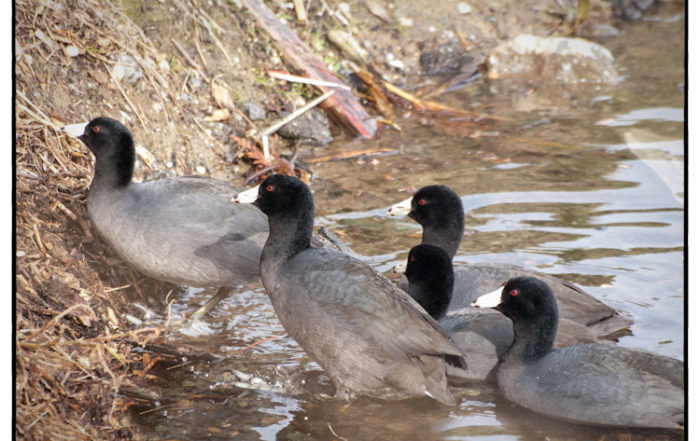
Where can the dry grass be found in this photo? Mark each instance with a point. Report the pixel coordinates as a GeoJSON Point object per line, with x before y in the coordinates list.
{"type": "Point", "coordinates": [75, 359]}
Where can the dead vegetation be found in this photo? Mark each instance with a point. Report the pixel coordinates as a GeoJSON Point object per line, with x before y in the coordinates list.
{"type": "Point", "coordinates": [76, 365]}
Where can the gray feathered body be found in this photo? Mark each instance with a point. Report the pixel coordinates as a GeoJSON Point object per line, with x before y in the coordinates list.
{"type": "Point", "coordinates": [370, 337]}
{"type": "Point", "coordinates": [184, 230]}
{"type": "Point", "coordinates": [484, 335]}
{"type": "Point", "coordinates": [599, 384]}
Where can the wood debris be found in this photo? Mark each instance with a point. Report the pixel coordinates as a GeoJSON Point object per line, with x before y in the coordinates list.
{"type": "Point", "coordinates": [343, 106]}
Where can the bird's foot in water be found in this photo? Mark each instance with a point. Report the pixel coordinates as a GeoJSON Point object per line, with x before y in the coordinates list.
{"type": "Point", "coordinates": [220, 295]}
{"type": "Point", "coordinates": [147, 320]}
{"type": "Point", "coordinates": [192, 326]}
{"type": "Point", "coordinates": [276, 381]}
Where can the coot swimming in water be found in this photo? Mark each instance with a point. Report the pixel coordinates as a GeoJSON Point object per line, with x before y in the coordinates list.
{"type": "Point", "coordinates": [440, 212]}
{"type": "Point", "coordinates": [588, 383]}
{"type": "Point", "coordinates": [482, 334]}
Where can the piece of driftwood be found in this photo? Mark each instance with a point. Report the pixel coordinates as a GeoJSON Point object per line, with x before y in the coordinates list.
{"type": "Point", "coordinates": [343, 105]}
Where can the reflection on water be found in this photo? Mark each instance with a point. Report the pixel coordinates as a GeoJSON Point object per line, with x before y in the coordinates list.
{"type": "Point", "coordinates": [590, 190]}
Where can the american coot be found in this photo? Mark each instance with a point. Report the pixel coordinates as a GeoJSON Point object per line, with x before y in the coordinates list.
{"type": "Point", "coordinates": [439, 210]}
{"type": "Point", "coordinates": [482, 334]}
{"type": "Point", "coordinates": [589, 383]}
{"type": "Point", "coordinates": [184, 230]}
{"type": "Point", "coordinates": [370, 337]}
{"type": "Point", "coordinates": [430, 278]}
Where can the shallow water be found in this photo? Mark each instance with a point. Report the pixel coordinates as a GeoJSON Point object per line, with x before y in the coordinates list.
{"type": "Point", "coordinates": [588, 186]}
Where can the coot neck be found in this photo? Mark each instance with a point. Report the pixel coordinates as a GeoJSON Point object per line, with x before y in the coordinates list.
{"type": "Point", "coordinates": [447, 236]}
{"type": "Point", "coordinates": [290, 233]}
{"type": "Point", "coordinates": [114, 166]}
{"type": "Point", "coordinates": [433, 294]}
{"type": "Point", "coordinates": [532, 339]}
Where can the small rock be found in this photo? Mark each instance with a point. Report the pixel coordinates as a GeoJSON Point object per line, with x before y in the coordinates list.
{"type": "Point", "coordinates": [218, 115]}
{"type": "Point", "coordinates": [222, 96]}
{"type": "Point", "coordinates": [464, 8]}
{"type": "Point", "coordinates": [124, 116]}
{"type": "Point", "coordinates": [406, 22]}
{"type": "Point", "coordinates": [195, 80]}
{"type": "Point", "coordinates": [253, 111]}
{"type": "Point", "coordinates": [630, 9]}
{"type": "Point", "coordinates": [378, 10]}
{"type": "Point", "coordinates": [312, 127]}
{"type": "Point", "coordinates": [72, 51]}
{"type": "Point", "coordinates": [164, 66]}
{"type": "Point", "coordinates": [397, 64]}
{"type": "Point", "coordinates": [46, 40]}
{"type": "Point", "coordinates": [201, 170]}
{"type": "Point", "coordinates": [127, 69]}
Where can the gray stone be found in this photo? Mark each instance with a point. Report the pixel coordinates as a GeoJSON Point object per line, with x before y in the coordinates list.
{"type": "Point", "coordinates": [312, 127]}
{"type": "Point", "coordinates": [253, 111]}
{"type": "Point", "coordinates": [557, 59]}
{"type": "Point", "coordinates": [630, 9]}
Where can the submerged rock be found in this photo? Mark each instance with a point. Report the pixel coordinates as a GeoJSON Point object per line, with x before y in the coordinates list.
{"type": "Point", "coordinates": [450, 57]}
{"type": "Point", "coordinates": [312, 127]}
{"type": "Point", "coordinates": [559, 59]}
{"type": "Point", "coordinates": [630, 9]}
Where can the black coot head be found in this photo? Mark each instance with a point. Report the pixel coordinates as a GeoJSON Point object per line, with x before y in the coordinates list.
{"type": "Point", "coordinates": [280, 194]}
{"type": "Point", "coordinates": [430, 278]}
{"type": "Point", "coordinates": [113, 147]}
{"type": "Point", "coordinates": [103, 134]}
{"type": "Point", "coordinates": [433, 204]}
{"type": "Point", "coordinates": [526, 299]}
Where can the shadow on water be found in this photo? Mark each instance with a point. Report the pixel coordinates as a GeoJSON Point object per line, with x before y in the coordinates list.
{"type": "Point", "coordinates": [589, 189]}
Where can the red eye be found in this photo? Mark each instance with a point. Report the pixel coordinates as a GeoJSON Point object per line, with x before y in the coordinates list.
{"type": "Point", "coordinates": [421, 202]}
{"type": "Point", "coordinates": [270, 187]}
{"type": "Point", "coordinates": [514, 292]}
{"type": "Point", "coordinates": [96, 129]}
{"type": "Point", "coordinates": [412, 259]}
